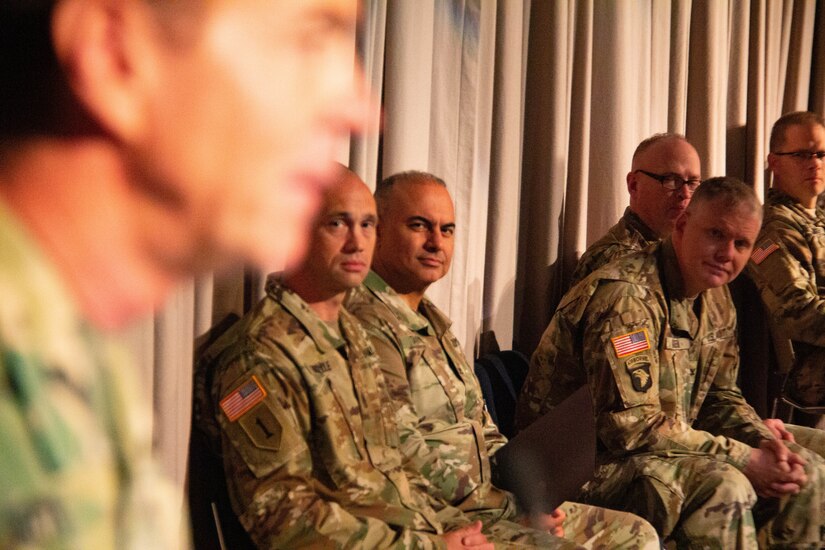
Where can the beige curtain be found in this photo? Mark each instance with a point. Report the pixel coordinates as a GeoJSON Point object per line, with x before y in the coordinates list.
{"type": "Point", "coordinates": [603, 75]}
{"type": "Point", "coordinates": [530, 112]}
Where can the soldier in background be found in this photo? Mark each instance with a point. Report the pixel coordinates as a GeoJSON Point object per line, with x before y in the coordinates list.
{"type": "Point", "coordinates": [788, 262]}
{"type": "Point", "coordinates": [141, 142]}
{"type": "Point", "coordinates": [653, 334]}
{"type": "Point", "coordinates": [665, 171]}
{"type": "Point", "coordinates": [431, 380]}
{"type": "Point", "coordinates": [300, 412]}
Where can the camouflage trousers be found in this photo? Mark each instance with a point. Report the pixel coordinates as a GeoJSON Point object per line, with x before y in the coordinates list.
{"type": "Point", "coordinates": [696, 501]}
{"type": "Point", "coordinates": [585, 527]}
{"type": "Point", "coordinates": [598, 528]}
{"type": "Point", "coordinates": [812, 439]}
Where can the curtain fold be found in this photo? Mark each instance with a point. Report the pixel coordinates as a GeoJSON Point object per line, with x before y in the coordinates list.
{"type": "Point", "coordinates": [531, 112]}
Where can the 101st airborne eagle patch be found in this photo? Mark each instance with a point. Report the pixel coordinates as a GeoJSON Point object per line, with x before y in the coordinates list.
{"type": "Point", "coordinates": [630, 343]}
{"type": "Point", "coordinates": [640, 376]}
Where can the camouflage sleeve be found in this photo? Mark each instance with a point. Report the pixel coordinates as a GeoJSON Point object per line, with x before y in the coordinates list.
{"type": "Point", "coordinates": [725, 410]}
{"type": "Point", "coordinates": [555, 372]}
{"type": "Point", "coordinates": [269, 468]}
{"type": "Point", "coordinates": [493, 438]}
{"type": "Point", "coordinates": [621, 333]}
{"type": "Point", "coordinates": [598, 255]}
{"type": "Point", "coordinates": [76, 469]}
{"type": "Point", "coordinates": [430, 467]}
{"type": "Point", "coordinates": [784, 273]}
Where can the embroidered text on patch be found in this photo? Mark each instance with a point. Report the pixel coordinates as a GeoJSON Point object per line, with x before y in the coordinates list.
{"type": "Point", "coordinates": [763, 251]}
{"type": "Point", "coordinates": [630, 343]}
{"type": "Point", "coordinates": [242, 399]}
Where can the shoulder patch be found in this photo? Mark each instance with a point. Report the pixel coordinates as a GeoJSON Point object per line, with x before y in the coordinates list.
{"type": "Point", "coordinates": [630, 343]}
{"type": "Point", "coordinates": [640, 377]}
{"type": "Point", "coordinates": [763, 250]}
{"type": "Point", "coordinates": [249, 394]}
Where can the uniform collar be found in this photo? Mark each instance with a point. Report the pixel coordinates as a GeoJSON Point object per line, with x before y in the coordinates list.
{"type": "Point", "coordinates": [672, 275]}
{"type": "Point", "coordinates": [324, 336]}
{"type": "Point", "coordinates": [635, 223]}
{"type": "Point", "coordinates": [38, 309]}
{"type": "Point", "coordinates": [777, 197]}
{"type": "Point", "coordinates": [427, 316]}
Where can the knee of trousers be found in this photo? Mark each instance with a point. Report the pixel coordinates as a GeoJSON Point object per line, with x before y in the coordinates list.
{"type": "Point", "coordinates": [713, 492]}
{"type": "Point", "coordinates": [729, 485]}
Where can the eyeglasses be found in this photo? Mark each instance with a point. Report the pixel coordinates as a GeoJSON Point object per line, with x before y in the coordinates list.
{"type": "Point", "coordinates": [672, 182]}
{"type": "Point", "coordinates": [803, 155]}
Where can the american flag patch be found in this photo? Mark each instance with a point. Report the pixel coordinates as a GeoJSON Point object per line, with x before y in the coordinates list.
{"type": "Point", "coordinates": [630, 343]}
{"type": "Point", "coordinates": [242, 399]}
{"type": "Point", "coordinates": [763, 251]}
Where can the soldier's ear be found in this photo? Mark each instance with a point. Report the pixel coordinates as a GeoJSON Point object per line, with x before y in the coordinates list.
{"type": "Point", "coordinates": [771, 161]}
{"type": "Point", "coordinates": [631, 182]}
{"type": "Point", "coordinates": [102, 47]}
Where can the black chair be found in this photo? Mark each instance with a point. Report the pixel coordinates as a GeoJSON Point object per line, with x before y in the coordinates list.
{"type": "Point", "coordinates": [766, 357]}
{"type": "Point", "coordinates": [504, 373]}
{"type": "Point", "coordinates": [486, 389]}
{"type": "Point", "coordinates": [214, 524]}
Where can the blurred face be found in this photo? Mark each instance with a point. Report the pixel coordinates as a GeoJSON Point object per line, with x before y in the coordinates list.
{"type": "Point", "coordinates": [416, 236]}
{"type": "Point", "coordinates": [801, 178]}
{"type": "Point", "coordinates": [713, 244]}
{"type": "Point", "coordinates": [658, 207]}
{"type": "Point", "coordinates": [247, 113]}
{"type": "Point", "coordinates": [343, 238]}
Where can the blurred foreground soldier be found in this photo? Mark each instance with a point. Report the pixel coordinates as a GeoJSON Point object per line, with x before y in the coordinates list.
{"type": "Point", "coordinates": [665, 172]}
{"type": "Point", "coordinates": [654, 336]}
{"type": "Point", "coordinates": [299, 410]}
{"type": "Point", "coordinates": [140, 142]}
{"type": "Point", "coordinates": [431, 380]}
{"type": "Point", "coordinates": [788, 262]}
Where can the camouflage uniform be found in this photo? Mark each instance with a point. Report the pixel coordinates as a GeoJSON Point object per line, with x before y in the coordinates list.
{"type": "Point", "coordinates": [75, 465]}
{"type": "Point", "coordinates": [433, 384]}
{"type": "Point", "coordinates": [674, 431]}
{"type": "Point", "coordinates": [309, 436]}
{"type": "Point", "coordinates": [788, 267]}
{"type": "Point", "coordinates": [630, 234]}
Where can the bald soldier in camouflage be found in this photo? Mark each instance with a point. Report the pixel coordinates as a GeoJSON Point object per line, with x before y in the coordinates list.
{"type": "Point", "coordinates": [431, 379]}
{"type": "Point", "coordinates": [788, 262]}
{"type": "Point", "coordinates": [653, 334]}
{"type": "Point", "coordinates": [665, 171]}
{"type": "Point", "coordinates": [299, 410]}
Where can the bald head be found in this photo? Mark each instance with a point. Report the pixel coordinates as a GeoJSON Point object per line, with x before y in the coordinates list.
{"type": "Point", "coordinates": [341, 241]}
{"type": "Point", "coordinates": [656, 158]}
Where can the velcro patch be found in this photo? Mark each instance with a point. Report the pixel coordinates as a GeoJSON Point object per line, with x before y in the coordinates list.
{"type": "Point", "coordinates": [763, 250]}
{"type": "Point", "coordinates": [263, 428]}
{"type": "Point", "coordinates": [249, 394]}
{"type": "Point", "coordinates": [640, 377]}
{"type": "Point", "coordinates": [630, 343]}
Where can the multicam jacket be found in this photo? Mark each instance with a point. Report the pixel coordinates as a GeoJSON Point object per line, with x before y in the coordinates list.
{"type": "Point", "coordinates": [307, 432]}
{"type": "Point", "coordinates": [431, 380]}
{"type": "Point", "coordinates": [788, 267]}
{"type": "Point", "coordinates": [661, 367]}
{"type": "Point", "coordinates": [630, 234]}
{"type": "Point", "coordinates": [75, 464]}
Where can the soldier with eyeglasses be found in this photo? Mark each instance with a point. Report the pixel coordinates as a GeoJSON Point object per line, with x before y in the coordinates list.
{"type": "Point", "coordinates": [788, 262]}
{"type": "Point", "coordinates": [665, 171]}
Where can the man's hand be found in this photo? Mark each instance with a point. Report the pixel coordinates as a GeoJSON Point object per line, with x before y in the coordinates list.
{"type": "Point", "coordinates": [777, 428]}
{"type": "Point", "coordinates": [774, 470]}
{"type": "Point", "coordinates": [469, 536]}
{"type": "Point", "coordinates": [552, 522]}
